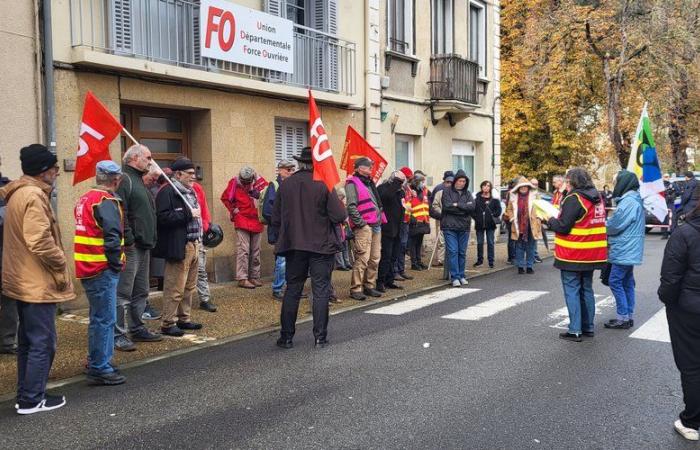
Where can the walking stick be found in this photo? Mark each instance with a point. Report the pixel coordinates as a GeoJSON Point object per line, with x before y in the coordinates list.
{"type": "Point", "coordinates": [437, 240]}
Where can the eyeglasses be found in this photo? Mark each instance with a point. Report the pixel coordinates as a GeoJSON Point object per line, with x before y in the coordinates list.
{"type": "Point", "coordinates": [189, 172]}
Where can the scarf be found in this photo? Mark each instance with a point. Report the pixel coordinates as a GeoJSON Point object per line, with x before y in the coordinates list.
{"type": "Point", "coordinates": [194, 226]}
{"type": "Point", "coordinates": [523, 215]}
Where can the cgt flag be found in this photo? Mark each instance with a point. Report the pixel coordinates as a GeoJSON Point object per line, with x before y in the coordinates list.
{"type": "Point", "coordinates": [97, 130]}
{"type": "Point", "coordinates": [324, 165]}
{"type": "Point", "coordinates": [357, 147]}
{"type": "Point", "coordinates": [644, 162]}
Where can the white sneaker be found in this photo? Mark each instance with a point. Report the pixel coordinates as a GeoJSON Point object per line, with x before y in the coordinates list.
{"type": "Point", "coordinates": [456, 283]}
{"type": "Point", "coordinates": [463, 282]}
{"type": "Point", "coordinates": [688, 433]}
{"type": "Point", "coordinates": [49, 403]}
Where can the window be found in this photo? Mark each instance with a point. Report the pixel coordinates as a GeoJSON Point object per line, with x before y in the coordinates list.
{"type": "Point", "coordinates": [477, 35]}
{"type": "Point", "coordinates": [463, 153]}
{"type": "Point", "coordinates": [404, 151]}
{"type": "Point", "coordinates": [290, 137]}
{"type": "Point", "coordinates": [400, 26]}
{"type": "Point", "coordinates": [296, 11]}
{"type": "Point", "coordinates": [443, 26]}
{"type": "Point", "coordinates": [165, 132]}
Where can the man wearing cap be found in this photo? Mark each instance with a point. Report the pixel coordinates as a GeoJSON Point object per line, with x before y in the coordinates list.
{"type": "Point", "coordinates": [99, 258]}
{"type": "Point", "coordinates": [179, 238]}
{"type": "Point", "coordinates": [285, 169]}
{"type": "Point", "coordinates": [435, 199]}
{"type": "Point", "coordinates": [307, 216]}
{"type": "Point", "coordinates": [365, 211]}
{"type": "Point", "coordinates": [139, 239]}
{"type": "Point", "coordinates": [34, 274]}
{"type": "Point", "coordinates": [239, 198]}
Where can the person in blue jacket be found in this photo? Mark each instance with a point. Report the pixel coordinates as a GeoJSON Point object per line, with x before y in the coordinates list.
{"type": "Point", "coordinates": [626, 246]}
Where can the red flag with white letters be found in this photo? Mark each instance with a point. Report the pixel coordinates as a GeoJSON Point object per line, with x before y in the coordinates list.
{"type": "Point", "coordinates": [324, 165]}
{"type": "Point", "coordinates": [97, 130]}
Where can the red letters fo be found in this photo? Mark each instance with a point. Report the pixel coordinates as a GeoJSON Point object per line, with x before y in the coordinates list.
{"type": "Point", "coordinates": [225, 42]}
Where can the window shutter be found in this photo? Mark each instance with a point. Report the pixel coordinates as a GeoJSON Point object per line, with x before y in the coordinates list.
{"type": "Point", "coordinates": [325, 18]}
{"type": "Point", "coordinates": [302, 136]}
{"type": "Point", "coordinates": [196, 33]}
{"type": "Point", "coordinates": [279, 142]}
{"type": "Point", "coordinates": [122, 25]}
{"type": "Point", "coordinates": [276, 7]}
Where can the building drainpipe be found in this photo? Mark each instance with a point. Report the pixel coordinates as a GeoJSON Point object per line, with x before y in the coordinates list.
{"type": "Point", "coordinates": [49, 99]}
{"type": "Point", "coordinates": [493, 136]}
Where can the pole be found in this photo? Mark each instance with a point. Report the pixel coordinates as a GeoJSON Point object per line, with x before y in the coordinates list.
{"type": "Point", "coordinates": [161, 171]}
{"type": "Point", "coordinates": [432, 255]}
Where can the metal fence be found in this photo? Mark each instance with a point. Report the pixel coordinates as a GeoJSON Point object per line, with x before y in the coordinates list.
{"type": "Point", "coordinates": [454, 78]}
{"type": "Point", "coordinates": [168, 31]}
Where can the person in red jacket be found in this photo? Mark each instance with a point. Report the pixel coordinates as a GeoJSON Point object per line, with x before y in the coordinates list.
{"type": "Point", "coordinates": [205, 302]}
{"type": "Point", "coordinates": [239, 198]}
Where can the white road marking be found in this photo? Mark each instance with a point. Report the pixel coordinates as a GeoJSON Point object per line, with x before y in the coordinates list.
{"type": "Point", "coordinates": [562, 314]}
{"type": "Point", "coordinates": [654, 329]}
{"type": "Point", "coordinates": [495, 305]}
{"type": "Point", "coordinates": [414, 304]}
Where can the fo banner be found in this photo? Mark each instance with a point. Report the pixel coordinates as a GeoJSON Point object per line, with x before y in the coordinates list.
{"type": "Point", "coordinates": [246, 36]}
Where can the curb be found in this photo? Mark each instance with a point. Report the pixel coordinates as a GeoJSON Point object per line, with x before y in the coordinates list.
{"type": "Point", "coordinates": [239, 337]}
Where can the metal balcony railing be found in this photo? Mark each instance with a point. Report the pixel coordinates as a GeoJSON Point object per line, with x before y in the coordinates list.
{"type": "Point", "coordinates": [168, 31]}
{"type": "Point", "coordinates": [454, 78]}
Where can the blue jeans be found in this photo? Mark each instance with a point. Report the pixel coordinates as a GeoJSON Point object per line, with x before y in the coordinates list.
{"type": "Point", "coordinates": [622, 286]}
{"type": "Point", "coordinates": [101, 292]}
{"type": "Point", "coordinates": [490, 249]}
{"type": "Point", "coordinates": [36, 347]}
{"type": "Point", "coordinates": [456, 252]}
{"type": "Point", "coordinates": [525, 249]}
{"type": "Point", "coordinates": [278, 281]}
{"type": "Point", "coordinates": [580, 301]}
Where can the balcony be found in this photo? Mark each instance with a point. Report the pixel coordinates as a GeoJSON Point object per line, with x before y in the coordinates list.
{"type": "Point", "coordinates": [168, 31]}
{"type": "Point", "coordinates": [455, 79]}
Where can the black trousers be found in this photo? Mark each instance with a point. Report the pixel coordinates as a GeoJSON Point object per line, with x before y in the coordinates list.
{"type": "Point", "coordinates": [415, 249]}
{"type": "Point", "coordinates": [684, 328]}
{"type": "Point", "coordinates": [391, 249]}
{"type": "Point", "coordinates": [301, 265]}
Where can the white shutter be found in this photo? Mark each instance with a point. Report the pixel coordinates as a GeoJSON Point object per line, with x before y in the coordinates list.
{"type": "Point", "coordinates": [325, 18]}
{"type": "Point", "coordinates": [301, 134]}
{"type": "Point", "coordinates": [279, 142]}
{"type": "Point", "coordinates": [122, 25]}
{"type": "Point", "coordinates": [290, 138]}
{"type": "Point", "coordinates": [196, 53]}
{"type": "Point", "coordinates": [276, 7]}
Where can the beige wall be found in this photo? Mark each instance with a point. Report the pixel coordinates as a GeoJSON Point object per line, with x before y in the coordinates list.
{"type": "Point", "coordinates": [20, 92]}
{"type": "Point", "coordinates": [228, 131]}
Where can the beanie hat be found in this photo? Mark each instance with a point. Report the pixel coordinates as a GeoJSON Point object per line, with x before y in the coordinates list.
{"type": "Point", "coordinates": [448, 174]}
{"type": "Point", "coordinates": [36, 158]}
{"type": "Point", "coordinates": [246, 173]}
{"type": "Point", "coordinates": [181, 164]}
{"type": "Point", "coordinates": [406, 171]}
{"type": "Point", "coordinates": [363, 162]}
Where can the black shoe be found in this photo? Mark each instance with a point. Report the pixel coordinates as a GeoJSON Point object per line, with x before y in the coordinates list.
{"type": "Point", "coordinates": [398, 277]}
{"type": "Point", "coordinates": [416, 267]}
{"type": "Point", "coordinates": [381, 288]}
{"type": "Point", "coordinates": [588, 334]}
{"type": "Point", "coordinates": [145, 336]}
{"type": "Point", "coordinates": [172, 330]}
{"type": "Point", "coordinates": [321, 343]}
{"type": "Point", "coordinates": [189, 325]}
{"type": "Point", "coordinates": [570, 337]}
{"type": "Point", "coordinates": [359, 296]}
{"type": "Point", "coordinates": [538, 259]}
{"type": "Point", "coordinates": [490, 265]}
{"type": "Point", "coordinates": [631, 321]}
{"type": "Point", "coordinates": [394, 286]}
{"type": "Point", "coordinates": [106, 379]}
{"type": "Point", "coordinates": [278, 296]}
{"type": "Point", "coordinates": [618, 325]}
{"type": "Point", "coordinates": [372, 293]}
{"type": "Point", "coordinates": [406, 276]}
{"type": "Point", "coordinates": [285, 343]}
{"type": "Point", "coordinates": [124, 344]}
{"type": "Point", "coordinates": [207, 306]}
{"type": "Point", "coordinates": [530, 271]}
{"type": "Point", "coordinates": [49, 403]}
{"type": "Point", "coordinates": [521, 270]}
{"type": "Point", "coordinates": [422, 266]}
{"type": "Point", "coordinates": [478, 263]}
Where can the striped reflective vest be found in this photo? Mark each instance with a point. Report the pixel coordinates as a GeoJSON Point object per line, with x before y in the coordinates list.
{"type": "Point", "coordinates": [88, 244]}
{"type": "Point", "coordinates": [420, 209]}
{"type": "Point", "coordinates": [365, 205]}
{"type": "Point", "coordinates": [587, 242]}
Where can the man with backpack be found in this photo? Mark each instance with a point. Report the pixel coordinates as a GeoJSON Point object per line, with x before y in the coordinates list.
{"type": "Point", "coordinates": [285, 169]}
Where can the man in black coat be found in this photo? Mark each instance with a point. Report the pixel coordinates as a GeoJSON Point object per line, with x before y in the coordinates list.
{"type": "Point", "coordinates": [308, 217]}
{"type": "Point", "coordinates": [179, 238]}
{"type": "Point", "coordinates": [391, 194]}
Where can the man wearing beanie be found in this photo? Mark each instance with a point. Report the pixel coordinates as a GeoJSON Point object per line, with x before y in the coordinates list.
{"type": "Point", "coordinates": [139, 240]}
{"type": "Point", "coordinates": [179, 238]}
{"type": "Point", "coordinates": [34, 275]}
{"type": "Point", "coordinates": [365, 213]}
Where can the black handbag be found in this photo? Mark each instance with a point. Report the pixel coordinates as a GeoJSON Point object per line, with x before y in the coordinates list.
{"type": "Point", "coordinates": [605, 274]}
{"type": "Point", "coordinates": [496, 219]}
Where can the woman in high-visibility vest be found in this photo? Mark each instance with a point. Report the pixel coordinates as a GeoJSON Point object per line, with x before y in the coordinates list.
{"type": "Point", "coordinates": [580, 247]}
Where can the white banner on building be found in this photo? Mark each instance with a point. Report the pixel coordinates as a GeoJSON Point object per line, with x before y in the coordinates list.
{"type": "Point", "coordinates": [246, 36]}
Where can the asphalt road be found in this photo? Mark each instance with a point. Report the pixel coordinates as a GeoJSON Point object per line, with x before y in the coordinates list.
{"type": "Point", "coordinates": [504, 381]}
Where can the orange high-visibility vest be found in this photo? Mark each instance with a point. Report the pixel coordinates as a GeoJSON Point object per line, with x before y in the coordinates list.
{"type": "Point", "coordinates": [587, 242]}
{"type": "Point", "coordinates": [420, 209]}
{"type": "Point", "coordinates": [89, 244]}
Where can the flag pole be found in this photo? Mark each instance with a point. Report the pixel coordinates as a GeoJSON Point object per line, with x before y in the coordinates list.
{"type": "Point", "coordinates": [167, 178]}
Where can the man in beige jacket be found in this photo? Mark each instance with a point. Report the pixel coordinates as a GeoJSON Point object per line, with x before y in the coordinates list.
{"type": "Point", "coordinates": [34, 274]}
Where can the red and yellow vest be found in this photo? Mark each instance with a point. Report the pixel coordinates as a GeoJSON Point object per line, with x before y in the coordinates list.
{"type": "Point", "coordinates": [365, 205]}
{"type": "Point", "coordinates": [89, 251]}
{"type": "Point", "coordinates": [588, 240]}
{"type": "Point", "coordinates": [420, 209]}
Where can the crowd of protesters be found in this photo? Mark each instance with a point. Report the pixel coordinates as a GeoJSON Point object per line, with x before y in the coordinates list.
{"type": "Point", "coordinates": [138, 218]}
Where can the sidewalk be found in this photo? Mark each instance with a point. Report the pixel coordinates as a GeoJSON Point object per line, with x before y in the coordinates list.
{"type": "Point", "coordinates": [239, 311]}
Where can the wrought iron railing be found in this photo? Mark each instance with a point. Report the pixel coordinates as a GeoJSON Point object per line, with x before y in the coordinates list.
{"type": "Point", "coordinates": [168, 31]}
{"type": "Point", "coordinates": [454, 78]}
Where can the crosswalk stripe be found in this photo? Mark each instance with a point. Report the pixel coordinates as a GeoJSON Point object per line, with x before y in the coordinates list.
{"type": "Point", "coordinates": [654, 329]}
{"type": "Point", "coordinates": [495, 305]}
{"type": "Point", "coordinates": [414, 304]}
{"type": "Point", "coordinates": [562, 314]}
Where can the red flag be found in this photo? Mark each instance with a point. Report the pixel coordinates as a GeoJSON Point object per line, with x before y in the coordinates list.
{"type": "Point", "coordinates": [324, 165]}
{"type": "Point", "coordinates": [97, 130]}
{"type": "Point", "coordinates": [356, 147]}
